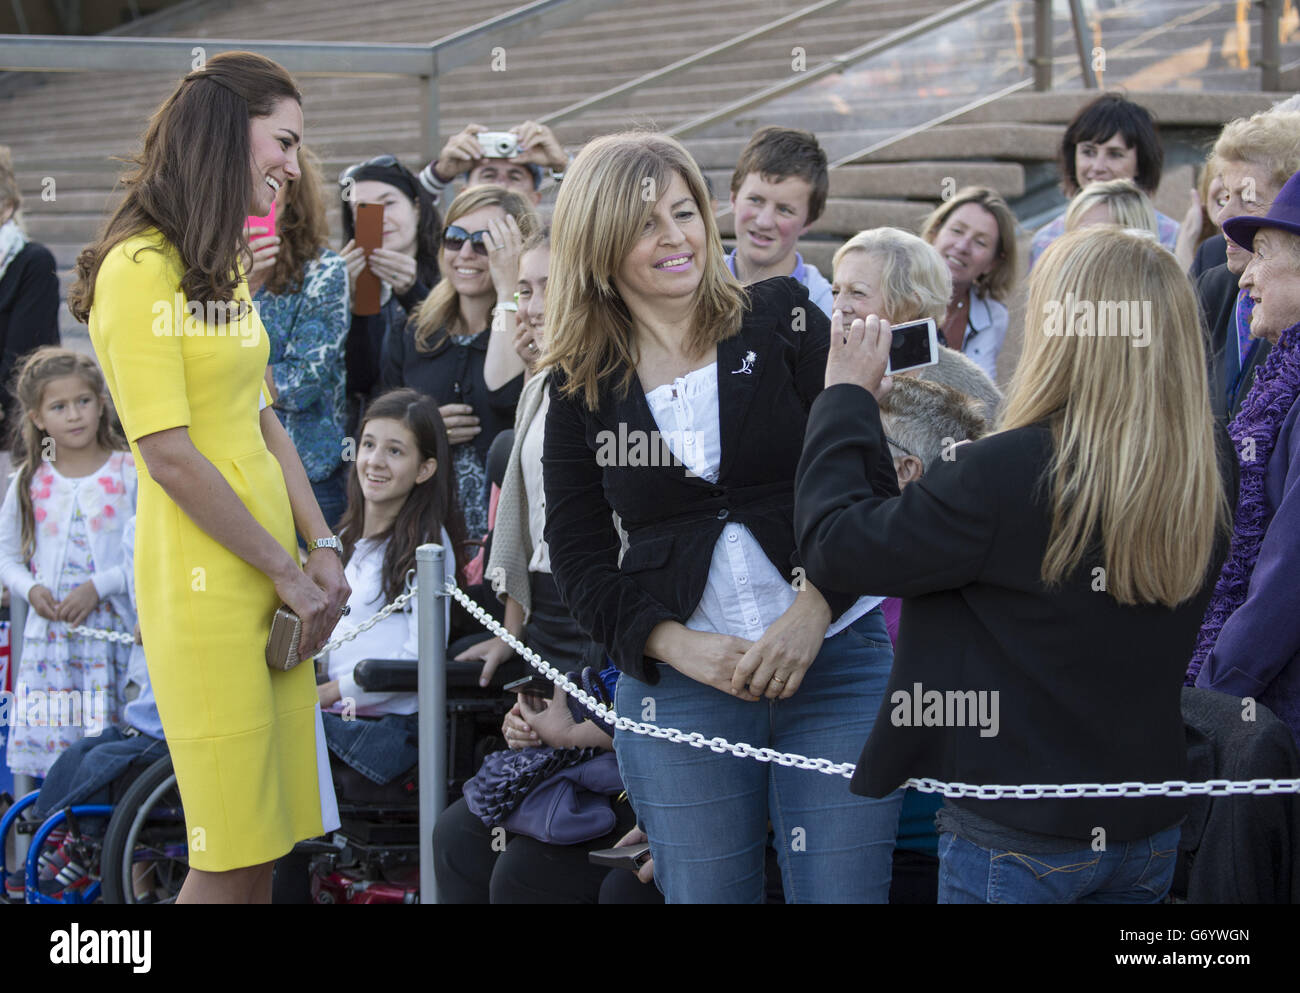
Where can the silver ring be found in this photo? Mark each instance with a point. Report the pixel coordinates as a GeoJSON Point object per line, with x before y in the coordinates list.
{"type": "Point", "coordinates": [532, 346]}
{"type": "Point", "coordinates": [777, 679]}
{"type": "Point", "coordinates": [345, 610]}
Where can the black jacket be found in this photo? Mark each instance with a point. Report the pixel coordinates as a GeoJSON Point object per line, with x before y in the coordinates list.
{"type": "Point", "coordinates": [673, 519]}
{"type": "Point", "coordinates": [1238, 849]}
{"type": "Point", "coordinates": [365, 343]}
{"type": "Point", "coordinates": [29, 317]}
{"type": "Point", "coordinates": [1216, 291]}
{"type": "Point", "coordinates": [1088, 689]}
{"type": "Point", "coordinates": [452, 374]}
{"type": "Point", "coordinates": [1210, 253]}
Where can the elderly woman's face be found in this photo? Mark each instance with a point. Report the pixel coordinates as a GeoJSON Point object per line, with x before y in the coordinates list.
{"type": "Point", "coordinates": [1273, 280]}
{"type": "Point", "coordinates": [856, 287]}
{"type": "Point", "coordinates": [1247, 189]}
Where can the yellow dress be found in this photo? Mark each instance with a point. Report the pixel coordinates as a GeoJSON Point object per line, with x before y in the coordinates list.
{"type": "Point", "coordinates": [242, 737]}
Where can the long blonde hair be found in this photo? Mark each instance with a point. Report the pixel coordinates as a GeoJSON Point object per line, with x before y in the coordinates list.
{"type": "Point", "coordinates": [442, 306]}
{"type": "Point", "coordinates": [1135, 470]}
{"type": "Point", "coordinates": [606, 199]}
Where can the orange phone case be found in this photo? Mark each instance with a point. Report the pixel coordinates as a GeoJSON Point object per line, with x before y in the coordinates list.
{"type": "Point", "coordinates": [370, 235]}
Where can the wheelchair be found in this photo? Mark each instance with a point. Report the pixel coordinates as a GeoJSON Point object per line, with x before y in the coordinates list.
{"type": "Point", "coordinates": [134, 849]}
{"type": "Point", "coordinates": [130, 850]}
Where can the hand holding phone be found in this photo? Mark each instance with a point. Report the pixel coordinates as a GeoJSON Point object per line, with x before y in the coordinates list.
{"type": "Point", "coordinates": [859, 354]}
{"type": "Point", "coordinates": [253, 222]}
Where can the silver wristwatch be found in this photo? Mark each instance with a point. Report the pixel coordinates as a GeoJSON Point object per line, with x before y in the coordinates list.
{"type": "Point", "coordinates": [331, 542]}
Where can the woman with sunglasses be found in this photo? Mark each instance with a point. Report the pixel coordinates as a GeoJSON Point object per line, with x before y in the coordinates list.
{"type": "Point", "coordinates": [406, 264]}
{"type": "Point", "coordinates": [458, 345]}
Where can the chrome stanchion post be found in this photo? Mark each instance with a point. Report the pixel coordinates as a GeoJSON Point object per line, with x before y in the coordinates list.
{"type": "Point", "coordinates": [432, 695]}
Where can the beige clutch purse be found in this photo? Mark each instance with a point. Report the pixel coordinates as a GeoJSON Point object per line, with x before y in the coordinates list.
{"type": "Point", "coordinates": [282, 643]}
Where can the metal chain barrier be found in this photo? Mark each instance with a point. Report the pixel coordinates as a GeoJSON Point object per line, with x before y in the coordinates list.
{"type": "Point", "coordinates": [1173, 788]}
{"type": "Point", "coordinates": [1028, 791]}
{"type": "Point", "coordinates": [127, 639]}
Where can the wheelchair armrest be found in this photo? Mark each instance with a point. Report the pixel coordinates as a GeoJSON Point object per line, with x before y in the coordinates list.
{"type": "Point", "coordinates": [400, 675]}
{"type": "Point", "coordinates": [385, 675]}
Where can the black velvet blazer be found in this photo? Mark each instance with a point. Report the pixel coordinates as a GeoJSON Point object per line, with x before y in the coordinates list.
{"type": "Point", "coordinates": [768, 376]}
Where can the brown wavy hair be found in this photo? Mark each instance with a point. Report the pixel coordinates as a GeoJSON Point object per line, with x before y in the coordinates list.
{"type": "Point", "coordinates": [192, 178]}
{"type": "Point", "coordinates": [28, 441]}
{"type": "Point", "coordinates": [301, 224]}
{"type": "Point", "coordinates": [429, 507]}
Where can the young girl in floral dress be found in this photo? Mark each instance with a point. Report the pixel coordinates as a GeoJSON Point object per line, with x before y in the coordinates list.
{"type": "Point", "coordinates": [61, 550]}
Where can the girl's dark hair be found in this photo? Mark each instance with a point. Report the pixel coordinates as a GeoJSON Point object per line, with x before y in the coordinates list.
{"type": "Point", "coordinates": [28, 441]}
{"type": "Point", "coordinates": [193, 178]}
{"type": "Point", "coordinates": [428, 224]}
{"type": "Point", "coordinates": [429, 507]}
{"type": "Point", "coordinates": [1099, 121]}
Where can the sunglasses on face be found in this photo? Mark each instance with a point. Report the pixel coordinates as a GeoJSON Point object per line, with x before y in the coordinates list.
{"type": "Point", "coordinates": [382, 161]}
{"type": "Point", "coordinates": [454, 238]}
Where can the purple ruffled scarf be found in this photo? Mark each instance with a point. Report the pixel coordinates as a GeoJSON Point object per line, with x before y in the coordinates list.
{"type": "Point", "coordinates": [1274, 392]}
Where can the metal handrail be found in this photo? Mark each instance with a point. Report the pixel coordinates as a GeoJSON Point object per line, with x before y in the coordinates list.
{"type": "Point", "coordinates": [838, 64]}
{"type": "Point", "coordinates": [649, 78]}
{"type": "Point", "coordinates": [1006, 91]}
{"type": "Point", "coordinates": [60, 53]}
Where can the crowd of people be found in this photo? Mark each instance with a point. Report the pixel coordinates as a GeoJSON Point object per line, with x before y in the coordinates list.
{"type": "Point", "coordinates": [946, 573]}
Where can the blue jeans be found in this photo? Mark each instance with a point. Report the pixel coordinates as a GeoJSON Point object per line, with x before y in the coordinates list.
{"type": "Point", "coordinates": [706, 814]}
{"type": "Point", "coordinates": [1127, 872]}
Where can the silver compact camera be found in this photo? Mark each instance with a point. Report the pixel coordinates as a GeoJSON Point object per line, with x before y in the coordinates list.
{"type": "Point", "coordinates": [498, 144]}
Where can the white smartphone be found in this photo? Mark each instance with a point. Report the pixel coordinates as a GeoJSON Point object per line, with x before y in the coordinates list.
{"type": "Point", "coordinates": [915, 346]}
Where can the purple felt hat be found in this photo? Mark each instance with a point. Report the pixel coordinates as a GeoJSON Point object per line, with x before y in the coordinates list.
{"type": "Point", "coordinates": [1284, 215]}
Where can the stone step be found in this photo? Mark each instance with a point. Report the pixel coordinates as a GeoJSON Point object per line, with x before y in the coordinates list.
{"type": "Point", "coordinates": [926, 180]}
{"type": "Point", "coordinates": [1168, 107]}
{"type": "Point", "coordinates": [1020, 142]}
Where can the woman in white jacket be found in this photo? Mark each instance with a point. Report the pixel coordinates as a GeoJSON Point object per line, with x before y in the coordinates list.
{"type": "Point", "coordinates": [61, 550]}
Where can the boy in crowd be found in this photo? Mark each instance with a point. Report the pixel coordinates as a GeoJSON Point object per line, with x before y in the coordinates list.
{"type": "Point", "coordinates": [778, 191]}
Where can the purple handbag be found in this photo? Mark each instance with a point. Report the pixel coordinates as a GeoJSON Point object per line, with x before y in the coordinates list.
{"type": "Point", "coordinates": [571, 806]}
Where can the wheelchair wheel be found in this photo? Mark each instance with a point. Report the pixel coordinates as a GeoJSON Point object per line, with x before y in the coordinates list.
{"type": "Point", "coordinates": [145, 849]}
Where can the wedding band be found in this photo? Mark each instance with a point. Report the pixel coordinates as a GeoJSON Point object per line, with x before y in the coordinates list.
{"type": "Point", "coordinates": [777, 679]}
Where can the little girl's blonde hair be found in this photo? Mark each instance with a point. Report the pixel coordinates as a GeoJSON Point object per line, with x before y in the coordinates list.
{"type": "Point", "coordinates": [28, 441]}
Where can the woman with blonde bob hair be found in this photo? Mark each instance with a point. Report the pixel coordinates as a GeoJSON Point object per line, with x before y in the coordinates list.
{"type": "Point", "coordinates": [1116, 201]}
{"type": "Point", "coordinates": [678, 401]}
{"type": "Point", "coordinates": [890, 273]}
{"type": "Point", "coordinates": [1054, 575]}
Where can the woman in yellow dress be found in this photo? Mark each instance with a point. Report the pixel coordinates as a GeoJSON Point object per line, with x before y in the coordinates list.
{"type": "Point", "coordinates": [221, 486]}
